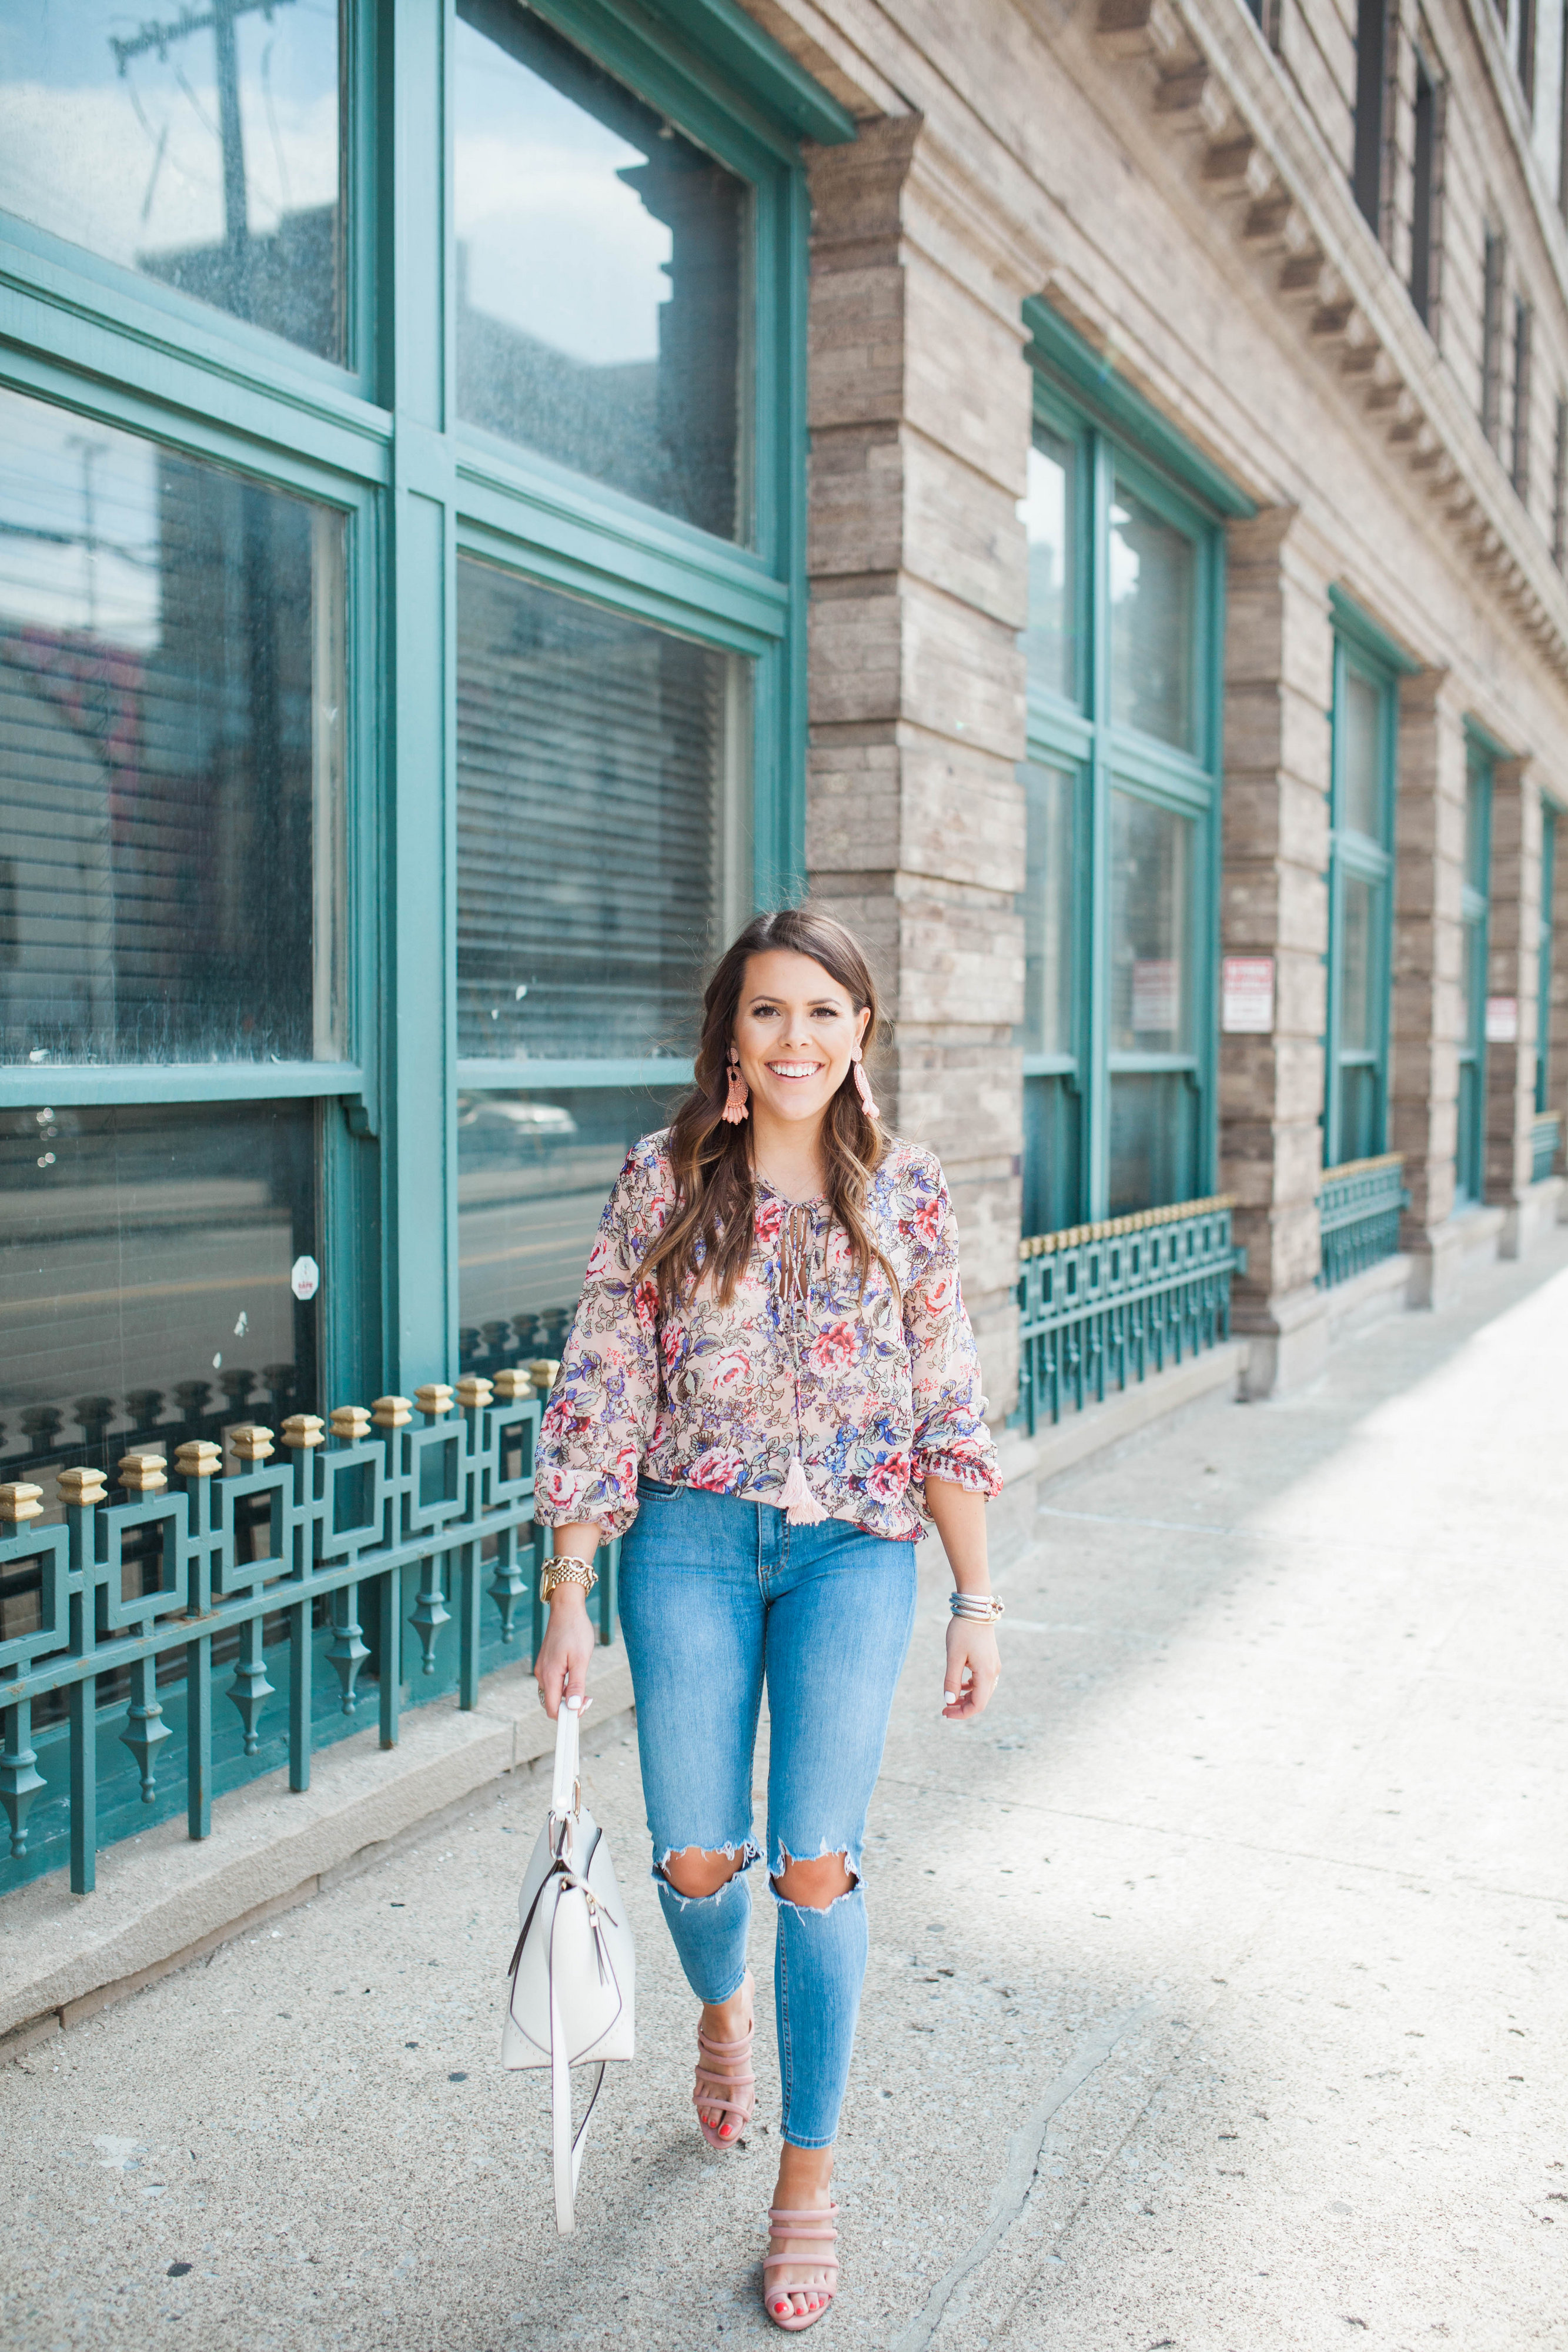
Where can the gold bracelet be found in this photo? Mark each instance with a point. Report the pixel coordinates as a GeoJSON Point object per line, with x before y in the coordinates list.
{"type": "Point", "coordinates": [564, 1568]}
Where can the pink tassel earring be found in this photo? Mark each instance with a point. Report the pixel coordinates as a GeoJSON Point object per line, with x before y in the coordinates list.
{"type": "Point", "coordinates": [735, 1108]}
{"type": "Point", "coordinates": [862, 1086]}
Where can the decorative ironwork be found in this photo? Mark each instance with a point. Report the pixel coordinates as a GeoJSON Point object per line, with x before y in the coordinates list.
{"type": "Point", "coordinates": [1104, 1304]}
{"type": "Point", "coordinates": [126, 1601]}
{"type": "Point", "coordinates": [1545, 1138]}
{"type": "Point", "coordinates": [1359, 1207]}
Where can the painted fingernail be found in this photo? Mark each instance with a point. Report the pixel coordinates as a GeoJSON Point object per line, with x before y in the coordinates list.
{"type": "Point", "coordinates": [951, 1698]}
{"type": "Point", "coordinates": [574, 1704]}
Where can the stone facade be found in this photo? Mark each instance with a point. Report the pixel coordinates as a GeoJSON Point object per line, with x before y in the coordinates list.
{"type": "Point", "coordinates": [1176, 183]}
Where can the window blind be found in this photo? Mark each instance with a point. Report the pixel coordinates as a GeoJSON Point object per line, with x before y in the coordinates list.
{"type": "Point", "coordinates": [597, 825]}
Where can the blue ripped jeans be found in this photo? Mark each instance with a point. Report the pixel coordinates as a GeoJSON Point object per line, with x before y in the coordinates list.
{"type": "Point", "coordinates": [718, 1595]}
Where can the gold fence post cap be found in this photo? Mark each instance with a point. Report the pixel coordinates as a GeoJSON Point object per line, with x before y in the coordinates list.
{"type": "Point", "coordinates": [198, 1459]}
{"type": "Point", "coordinates": [142, 1473]}
{"type": "Point", "coordinates": [512, 1384]}
{"type": "Point", "coordinates": [351, 1419]}
{"type": "Point", "coordinates": [251, 1440]}
{"type": "Point", "coordinates": [544, 1371]}
{"type": "Point", "coordinates": [474, 1391]}
{"type": "Point", "coordinates": [433, 1398]}
{"type": "Point", "coordinates": [18, 1501]}
{"type": "Point", "coordinates": [80, 1488]}
{"type": "Point", "coordinates": [303, 1429]}
{"type": "Point", "coordinates": [391, 1412]}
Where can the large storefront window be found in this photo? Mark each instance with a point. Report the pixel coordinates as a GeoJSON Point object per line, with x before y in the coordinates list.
{"type": "Point", "coordinates": [1470, 1157]}
{"type": "Point", "coordinates": [1121, 785]}
{"type": "Point", "coordinates": [392, 723]}
{"type": "Point", "coordinates": [1361, 871]}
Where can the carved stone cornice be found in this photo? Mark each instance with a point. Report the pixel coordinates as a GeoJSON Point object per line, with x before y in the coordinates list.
{"type": "Point", "coordinates": [1212, 81]}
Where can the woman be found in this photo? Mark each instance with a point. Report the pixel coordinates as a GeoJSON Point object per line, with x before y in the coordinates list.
{"type": "Point", "coordinates": [770, 1381]}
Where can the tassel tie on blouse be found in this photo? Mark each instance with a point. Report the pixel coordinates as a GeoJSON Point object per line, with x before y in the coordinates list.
{"type": "Point", "coordinates": [796, 1241]}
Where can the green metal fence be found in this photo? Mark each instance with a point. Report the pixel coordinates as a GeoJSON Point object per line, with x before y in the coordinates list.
{"type": "Point", "coordinates": [1359, 1207]}
{"type": "Point", "coordinates": [1546, 1138]}
{"type": "Point", "coordinates": [395, 1550]}
{"type": "Point", "coordinates": [1104, 1304]}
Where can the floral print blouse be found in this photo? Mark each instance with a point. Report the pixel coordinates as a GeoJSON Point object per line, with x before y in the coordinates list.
{"type": "Point", "coordinates": [874, 1394]}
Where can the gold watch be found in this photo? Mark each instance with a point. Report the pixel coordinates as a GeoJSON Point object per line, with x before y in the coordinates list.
{"type": "Point", "coordinates": [563, 1567]}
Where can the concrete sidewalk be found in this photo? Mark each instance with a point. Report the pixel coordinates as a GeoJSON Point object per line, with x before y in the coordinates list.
{"type": "Point", "coordinates": [1215, 1997]}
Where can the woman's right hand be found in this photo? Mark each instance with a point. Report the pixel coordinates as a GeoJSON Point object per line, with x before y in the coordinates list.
{"type": "Point", "coordinates": [560, 1668]}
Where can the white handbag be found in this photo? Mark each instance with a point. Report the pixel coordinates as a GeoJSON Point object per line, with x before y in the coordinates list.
{"type": "Point", "coordinates": [572, 1976]}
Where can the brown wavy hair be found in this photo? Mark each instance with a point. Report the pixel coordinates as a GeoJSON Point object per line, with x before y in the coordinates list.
{"type": "Point", "coordinates": [710, 1228]}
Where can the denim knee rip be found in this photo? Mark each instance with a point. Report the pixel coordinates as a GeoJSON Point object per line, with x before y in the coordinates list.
{"type": "Point", "coordinates": [841, 1853]}
{"type": "Point", "coordinates": [745, 1849]}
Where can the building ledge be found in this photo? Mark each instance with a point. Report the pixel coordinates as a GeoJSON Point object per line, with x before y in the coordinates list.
{"type": "Point", "coordinates": [163, 1899]}
{"type": "Point", "coordinates": [1026, 1462]}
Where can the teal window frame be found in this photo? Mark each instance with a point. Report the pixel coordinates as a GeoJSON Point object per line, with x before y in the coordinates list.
{"type": "Point", "coordinates": [1549, 815]}
{"type": "Point", "coordinates": [377, 439]}
{"type": "Point", "coordinates": [1475, 888]}
{"type": "Point", "coordinates": [1114, 435]}
{"type": "Point", "coordinates": [1354, 855]}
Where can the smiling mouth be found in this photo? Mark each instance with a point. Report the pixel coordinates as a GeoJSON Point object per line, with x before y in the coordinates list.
{"type": "Point", "coordinates": [795, 1069]}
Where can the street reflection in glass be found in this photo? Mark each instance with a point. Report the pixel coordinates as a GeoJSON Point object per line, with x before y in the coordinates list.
{"type": "Point", "coordinates": [533, 1174]}
{"type": "Point", "coordinates": [170, 801]}
{"type": "Point", "coordinates": [145, 1263]}
{"type": "Point", "coordinates": [601, 273]}
{"type": "Point", "coordinates": [1046, 513]}
{"type": "Point", "coordinates": [1153, 589]}
{"type": "Point", "coordinates": [1151, 918]}
{"type": "Point", "coordinates": [197, 145]}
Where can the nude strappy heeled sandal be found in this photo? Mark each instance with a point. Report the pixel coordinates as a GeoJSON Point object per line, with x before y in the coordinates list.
{"type": "Point", "coordinates": [724, 2068]}
{"type": "Point", "coordinates": [819, 2222]}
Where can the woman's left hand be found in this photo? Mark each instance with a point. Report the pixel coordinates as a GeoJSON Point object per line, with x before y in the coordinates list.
{"type": "Point", "coordinates": [974, 1667]}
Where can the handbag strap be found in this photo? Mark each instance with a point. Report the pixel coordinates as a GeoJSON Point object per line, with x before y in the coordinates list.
{"type": "Point", "coordinates": [564, 1793]}
{"type": "Point", "coordinates": [567, 2147]}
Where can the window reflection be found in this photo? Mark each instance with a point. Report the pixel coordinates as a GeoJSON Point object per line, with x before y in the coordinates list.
{"type": "Point", "coordinates": [1361, 770]}
{"type": "Point", "coordinates": [1478, 807]}
{"type": "Point", "coordinates": [1050, 640]}
{"type": "Point", "coordinates": [1048, 904]}
{"type": "Point", "coordinates": [1358, 954]}
{"type": "Point", "coordinates": [1153, 1139]}
{"type": "Point", "coordinates": [1151, 903]}
{"type": "Point", "coordinates": [198, 145]}
{"type": "Point", "coordinates": [602, 261]}
{"type": "Point", "coordinates": [145, 1257]}
{"type": "Point", "coordinates": [171, 803]}
{"type": "Point", "coordinates": [602, 837]}
{"type": "Point", "coordinates": [1153, 586]}
{"type": "Point", "coordinates": [533, 1171]}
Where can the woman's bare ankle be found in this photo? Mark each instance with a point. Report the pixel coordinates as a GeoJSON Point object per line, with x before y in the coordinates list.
{"type": "Point", "coordinates": [805, 2178]}
{"type": "Point", "coordinates": [728, 2020]}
